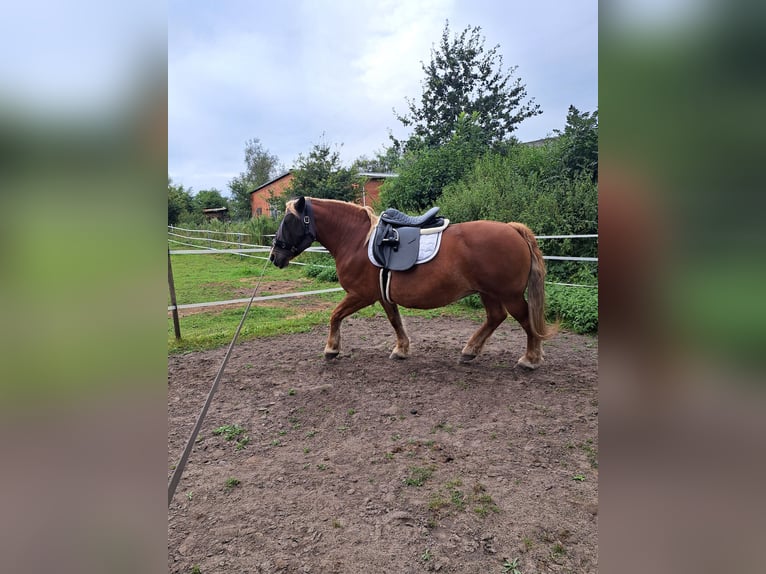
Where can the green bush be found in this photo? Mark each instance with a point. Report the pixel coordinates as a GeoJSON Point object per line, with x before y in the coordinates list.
{"type": "Point", "coordinates": [576, 307]}
{"type": "Point", "coordinates": [321, 266]}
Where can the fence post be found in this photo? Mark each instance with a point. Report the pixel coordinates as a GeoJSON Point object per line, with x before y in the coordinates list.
{"type": "Point", "coordinates": [171, 285]}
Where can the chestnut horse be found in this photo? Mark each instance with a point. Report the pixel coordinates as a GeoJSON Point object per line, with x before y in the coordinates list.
{"type": "Point", "coordinates": [499, 261]}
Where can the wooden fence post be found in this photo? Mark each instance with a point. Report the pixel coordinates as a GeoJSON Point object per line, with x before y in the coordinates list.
{"type": "Point", "coordinates": [172, 287]}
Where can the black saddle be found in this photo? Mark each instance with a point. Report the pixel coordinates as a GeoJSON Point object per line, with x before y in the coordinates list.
{"type": "Point", "coordinates": [396, 240]}
{"type": "Point", "coordinates": [396, 218]}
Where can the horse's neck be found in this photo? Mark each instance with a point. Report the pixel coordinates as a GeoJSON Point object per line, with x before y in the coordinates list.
{"type": "Point", "coordinates": [340, 226]}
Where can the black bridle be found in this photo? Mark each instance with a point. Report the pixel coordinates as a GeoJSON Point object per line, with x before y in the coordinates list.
{"type": "Point", "coordinates": [309, 231]}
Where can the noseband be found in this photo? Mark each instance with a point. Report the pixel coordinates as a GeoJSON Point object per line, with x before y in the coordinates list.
{"type": "Point", "coordinates": [309, 232]}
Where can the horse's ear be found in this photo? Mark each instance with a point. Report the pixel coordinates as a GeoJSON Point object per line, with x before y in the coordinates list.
{"type": "Point", "coordinates": [300, 203]}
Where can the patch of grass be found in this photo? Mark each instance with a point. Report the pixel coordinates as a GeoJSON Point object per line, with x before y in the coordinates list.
{"type": "Point", "coordinates": [450, 496]}
{"type": "Point", "coordinates": [418, 476]}
{"type": "Point", "coordinates": [511, 567]}
{"type": "Point", "coordinates": [444, 426]}
{"type": "Point", "coordinates": [426, 556]}
{"type": "Point", "coordinates": [229, 432]}
{"type": "Point", "coordinates": [483, 501]}
{"type": "Point", "coordinates": [231, 483]}
{"type": "Point", "coordinates": [592, 453]}
{"type": "Point", "coordinates": [557, 551]}
{"type": "Point", "coordinates": [195, 569]}
{"type": "Point", "coordinates": [579, 477]}
{"type": "Point", "coordinates": [233, 432]}
{"type": "Point", "coordinates": [438, 502]}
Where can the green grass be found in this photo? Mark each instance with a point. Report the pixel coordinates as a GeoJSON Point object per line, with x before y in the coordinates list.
{"type": "Point", "coordinates": [202, 278]}
{"type": "Point", "coordinates": [418, 476]}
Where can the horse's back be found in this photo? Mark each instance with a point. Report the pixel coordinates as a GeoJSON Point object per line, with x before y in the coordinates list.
{"type": "Point", "coordinates": [494, 238]}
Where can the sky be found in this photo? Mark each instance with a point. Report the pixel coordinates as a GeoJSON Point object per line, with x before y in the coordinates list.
{"type": "Point", "coordinates": [296, 73]}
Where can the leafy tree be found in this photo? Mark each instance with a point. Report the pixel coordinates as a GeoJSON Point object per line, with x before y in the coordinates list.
{"type": "Point", "coordinates": [179, 202]}
{"type": "Point", "coordinates": [425, 172]}
{"type": "Point", "coordinates": [384, 161]}
{"type": "Point", "coordinates": [580, 140]}
{"type": "Point", "coordinates": [260, 167]}
{"type": "Point", "coordinates": [209, 198]}
{"type": "Point", "coordinates": [320, 174]}
{"type": "Point", "coordinates": [463, 77]}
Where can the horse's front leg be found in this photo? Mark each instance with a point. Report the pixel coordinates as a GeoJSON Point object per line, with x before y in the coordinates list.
{"type": "Point", "coordinates": [402, 348]}
{"type": "Point", "coordinates": [350, 305]}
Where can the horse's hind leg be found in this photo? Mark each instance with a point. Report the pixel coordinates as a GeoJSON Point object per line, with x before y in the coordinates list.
{"type": "Point", "coordinates": [496, 314]}
{"type": "Point", "coordinates": [533, 357]}
{"type": "Point", "coordinates": [348, 306]}
{"type": "Point", "coordinates": [402, 348]}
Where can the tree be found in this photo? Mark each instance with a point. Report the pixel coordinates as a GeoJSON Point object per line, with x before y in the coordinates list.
{"type": "Point", "coordinates": [580, 140]}
{"type": "Point", "coordinates": [260, 166]}
{"type": "Point", "coordinates": [320, 174]}
{"type": "Point", "coordinates": [425, 172]}
{"type": "Point", "coordinates": [209, 198]}
{"type": "Point", "coordinates": [464, 78]}
{"type": "Point", "coordinates": [179, 202]}
{"type": "Point", "coordinates": [384, 161]}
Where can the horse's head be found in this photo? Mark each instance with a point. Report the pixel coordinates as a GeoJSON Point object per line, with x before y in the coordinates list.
{"type": "Point", "coordinates": [295, 233]}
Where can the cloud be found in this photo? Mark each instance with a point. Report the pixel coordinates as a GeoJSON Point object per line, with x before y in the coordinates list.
{"type": "Point", "coordinates": [299, 72]}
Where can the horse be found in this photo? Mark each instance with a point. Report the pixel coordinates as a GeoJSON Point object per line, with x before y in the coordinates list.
{"type": "Point", "coordinates": [499, 261]}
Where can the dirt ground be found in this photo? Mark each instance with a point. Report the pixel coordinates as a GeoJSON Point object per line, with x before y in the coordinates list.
{"type": "Point", "coordinates": [365, 464]}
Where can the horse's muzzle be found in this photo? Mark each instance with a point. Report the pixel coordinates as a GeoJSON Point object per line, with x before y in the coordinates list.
{"type": "Point", "coordinates": [279, 259]}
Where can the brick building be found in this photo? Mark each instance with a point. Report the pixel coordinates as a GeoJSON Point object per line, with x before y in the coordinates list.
{"type": "Point", "coordinates": [259, 197]}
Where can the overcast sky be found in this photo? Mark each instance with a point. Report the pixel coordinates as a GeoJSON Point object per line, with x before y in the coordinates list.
{"type": "Point", "coordinates": [295, 73]}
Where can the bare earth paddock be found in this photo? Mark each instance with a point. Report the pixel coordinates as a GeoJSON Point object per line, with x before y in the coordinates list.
{"type": "Point", "coordinates": [365, 464]}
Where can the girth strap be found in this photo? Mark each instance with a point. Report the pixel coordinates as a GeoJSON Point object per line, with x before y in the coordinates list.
{"type": "Point", "coordinates": [385, 285]}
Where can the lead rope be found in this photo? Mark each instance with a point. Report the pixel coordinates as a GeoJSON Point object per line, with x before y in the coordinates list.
{"type": "Point", "coordinates": [176, 477]}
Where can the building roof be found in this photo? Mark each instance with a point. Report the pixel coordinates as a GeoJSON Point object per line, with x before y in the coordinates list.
{"type": "Point", "coordinates": [214, 209]}
{"type": "Point", "coordinates": [377, 175]}
{"type": "Point", "coordinates": [268, 183]}
{"type": "Point", "coordinates": [541, 141]}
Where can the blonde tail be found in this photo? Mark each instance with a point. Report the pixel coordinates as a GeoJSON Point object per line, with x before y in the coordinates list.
{"type": "Point", "coordinates": [536, 286]}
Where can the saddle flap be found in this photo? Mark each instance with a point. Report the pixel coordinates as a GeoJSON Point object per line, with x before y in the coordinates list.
{"type": "Point", "coordinates": [395, 248]}
{"type": "Point", "coordinates": [404, 255]}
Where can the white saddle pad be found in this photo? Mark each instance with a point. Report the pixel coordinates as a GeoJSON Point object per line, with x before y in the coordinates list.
{"type": "Point", "coordinates": [429, 248]}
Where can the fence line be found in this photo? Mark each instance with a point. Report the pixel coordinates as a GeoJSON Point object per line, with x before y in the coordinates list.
{"type": "Point", "coordinates": [566, 236]}
{"type": "Point", "coordinates": [209, 240]}
{"type": "Point", "coordinates": [318, 249]}
{"type": "Point", "coordinates": [209, 231]}
{"type": "Point", "coordinates": [558, 258]}
{"type": "Point", "coordinates": [264, 298]}
{"type": "Point", "coordinates": [244, 252]}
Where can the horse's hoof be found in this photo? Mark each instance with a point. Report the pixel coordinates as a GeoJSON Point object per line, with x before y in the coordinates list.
{"type": "Point", "coordinates": [527, 365]}
{"type": "Point", "coordinates": [397, 356]}
{"type": "Point", "coordinates": [331, 356]}
{"type": "Point", "coordinates": [467, 358]}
